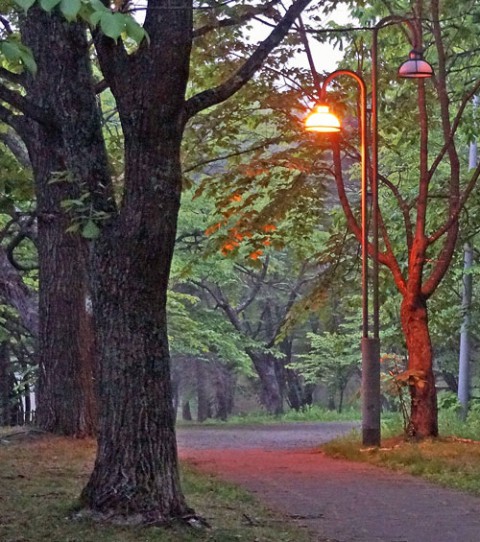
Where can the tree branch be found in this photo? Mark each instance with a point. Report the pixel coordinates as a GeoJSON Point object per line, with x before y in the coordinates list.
{"type": "Point", "coordinates": [26, 107]}
{"type": "Point", "coordinates": [232, 21]}
{"type": "Point", "coordinates": [14, 291]}
{"type": "Point", "coordinates": [216, 95]}
{"type": "Point", "coordinates": [404, 208]}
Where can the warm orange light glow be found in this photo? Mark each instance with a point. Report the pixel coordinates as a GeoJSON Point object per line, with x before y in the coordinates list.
{"type": "Point", "coordinates": [321, 120]}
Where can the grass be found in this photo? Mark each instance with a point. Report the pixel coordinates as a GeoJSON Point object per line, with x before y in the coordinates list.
{"type": "Point", "coordinates": [452, 460]}
{"type": "Point", "coordinates": [311, 414]}
{"type": "Point", "coordinates": [41, 477]}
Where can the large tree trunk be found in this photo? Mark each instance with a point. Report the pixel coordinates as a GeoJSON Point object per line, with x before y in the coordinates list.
{"type": "Point", "coordinates": [65, 393]}
{"type": "Point", "coordinates": [136, 469]}
{"type": "Point", "coordinates": [424, 415]}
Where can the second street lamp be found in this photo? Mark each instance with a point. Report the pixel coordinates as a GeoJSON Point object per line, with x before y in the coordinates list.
{"type": "Point", "coordinates": [321, 120]}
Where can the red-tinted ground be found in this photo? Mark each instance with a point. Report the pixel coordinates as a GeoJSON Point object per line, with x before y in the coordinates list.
{"type": "Point", "coordinates": [337, 500]}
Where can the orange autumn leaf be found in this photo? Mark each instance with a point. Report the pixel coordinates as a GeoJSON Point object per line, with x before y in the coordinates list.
{"type": "Point", "coordinates": [256, 254]}
{"type": "Point", "coordinates": [212, 229]}
{"type": "Point", "coordinates": [229, 246]}
{"type": "Point", "coordinates": [269, 228]}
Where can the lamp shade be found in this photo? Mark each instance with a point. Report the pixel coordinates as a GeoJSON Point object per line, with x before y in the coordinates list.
{"type": "Point", "coordinates": [415, 67]}
{"type": "Point", "coordinates": [321, 120]}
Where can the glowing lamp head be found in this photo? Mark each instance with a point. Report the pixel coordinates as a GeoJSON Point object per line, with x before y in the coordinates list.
{"type": "Point", "coordinates": [415, 67]}
{"type": "Point", "coordinates": [321, 120]}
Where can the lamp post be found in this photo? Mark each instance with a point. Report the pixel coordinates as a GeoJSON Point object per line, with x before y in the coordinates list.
{"type": "Point", "coordinates": [321, 120]}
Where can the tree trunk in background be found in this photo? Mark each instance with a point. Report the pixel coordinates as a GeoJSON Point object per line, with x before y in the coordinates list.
{"type": "Point", "coordinates": [203, 398]}
{"type": "Point", "coordinates": [65, 393]}
{"type": "Point", "coordinates": [271, 396]}
{"type": "Point", "coordinates": [224, 381]}
{"type": "Point", "coordinates": [10, 412]}
{"type": "Point", "coordinates": [186, 412]}
{"type": "Point", "coordinates": [424, 415]}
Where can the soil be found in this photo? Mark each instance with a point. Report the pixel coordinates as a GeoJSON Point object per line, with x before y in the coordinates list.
{"type": "Point", "coordinates": [338, 501]}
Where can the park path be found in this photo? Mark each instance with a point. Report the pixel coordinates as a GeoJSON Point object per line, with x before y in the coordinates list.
{"type": "Point", "coordinates": [339, 501]}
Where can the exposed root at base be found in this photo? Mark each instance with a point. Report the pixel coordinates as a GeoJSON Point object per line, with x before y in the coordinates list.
{"type": "Point", "coordinates": [150, 519]}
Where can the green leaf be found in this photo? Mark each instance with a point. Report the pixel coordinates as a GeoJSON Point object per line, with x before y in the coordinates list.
{"type": "Point", "coordinates": [48, 5]}
{"type": "Point", "coordinates": [90, 230]}
{"type": "Point", "coordinates": [95, 17]}
{"type": "Point", "coordinates": [26, 56]}
{"type": "Point", "coordinates": [113, 24]}
{"type": "Point", "coordinates": [18, 53]}
{"type": "Point", "coordinates": [25, 4]}
{"type": "Point", "coordinates": [98, 5]}
{"type": "Point", "coordinates": [70, 8]}
{"type": "Point", "coordinates": [134, 30]}
{"type": "Point", "coordinates": [11, 50]}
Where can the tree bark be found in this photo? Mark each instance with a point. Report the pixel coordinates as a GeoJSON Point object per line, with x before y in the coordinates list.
{"type": "Point", "coordinates": [421, 380]}
{"type": "Point", "coordinates": [65, 394]}
{"type": "Point", "coordinates": [136, 469]}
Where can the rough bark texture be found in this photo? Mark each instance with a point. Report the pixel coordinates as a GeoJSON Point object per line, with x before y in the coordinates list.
{"type": "Point", "coordinates": [423, 417]}
{"type": "Point", "coordinates": [136, 471]}
{"type": "Point", "coordinates": [65, 393]}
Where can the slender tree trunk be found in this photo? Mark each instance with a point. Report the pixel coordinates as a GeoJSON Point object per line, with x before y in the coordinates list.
{"type": "Point", "coordinates": [424, 415]}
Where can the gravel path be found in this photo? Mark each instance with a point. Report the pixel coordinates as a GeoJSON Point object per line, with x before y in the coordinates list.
{"type": "Point", "coordinates": [337, 500]}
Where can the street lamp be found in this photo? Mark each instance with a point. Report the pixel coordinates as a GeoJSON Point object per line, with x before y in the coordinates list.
{"type": "Point", "coordinates": [321, 120]}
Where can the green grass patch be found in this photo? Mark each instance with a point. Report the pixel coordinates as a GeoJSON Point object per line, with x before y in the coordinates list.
{"type": "Point", "coordinates": [42, 476]}
{"type": "Point", "coordinates": [311, 414]}
{"type": "Point", "coordinates": [452, 460]}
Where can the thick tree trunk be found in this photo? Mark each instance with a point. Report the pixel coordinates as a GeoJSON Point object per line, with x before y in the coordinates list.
{"type": "Point", "coordinates": [424, 415]}
{"type": "Point", "coordinates": [136, 469]}
{"type": "Point", "coordinates": [65, 393]}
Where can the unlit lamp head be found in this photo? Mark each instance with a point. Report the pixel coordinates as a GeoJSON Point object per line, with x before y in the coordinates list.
{"type": "Point", "coordinates": [321, 120]}
{"type": "Point", "coordinates": [415, 67]}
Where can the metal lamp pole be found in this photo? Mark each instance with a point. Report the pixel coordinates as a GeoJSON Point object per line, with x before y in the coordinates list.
{"type": "Point", "coordinates": [323, 121]}
{"type": "Point", "coordinates": [370, 344]}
